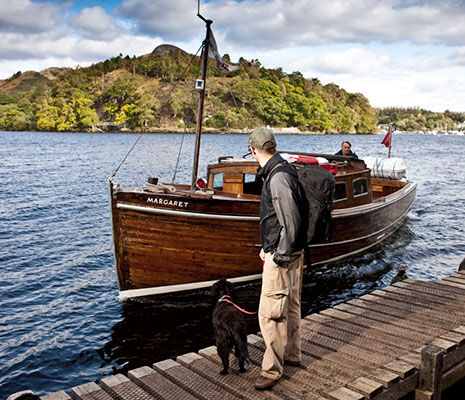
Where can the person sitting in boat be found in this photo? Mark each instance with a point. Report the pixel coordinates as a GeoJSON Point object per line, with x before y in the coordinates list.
{"type": "Point", "coordinates": [346, 150]}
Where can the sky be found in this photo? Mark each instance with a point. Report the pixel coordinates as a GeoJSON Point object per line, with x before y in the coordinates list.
{"type": "Point", "coordinates": [398, 53]}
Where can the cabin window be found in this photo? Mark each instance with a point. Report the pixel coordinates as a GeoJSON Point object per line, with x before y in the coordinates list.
{"type": "Point", "coordinates": [360, 187]}
{"type": "Point", "coordinates": [249, 178]}
{"type": "Point", "coordinates": [340, 192]}
{"type": "Point", "coordinates": [218, 181]}
{"type": "Point", "coordinates": [252, 184]}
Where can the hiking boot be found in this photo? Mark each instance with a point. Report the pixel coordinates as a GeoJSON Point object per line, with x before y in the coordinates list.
{"type": "Point", "coordinates": [263, 383]}
{"type": "Point", "coordinates": [292, 363]}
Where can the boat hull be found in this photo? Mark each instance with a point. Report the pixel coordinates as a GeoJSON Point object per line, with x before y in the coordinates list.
{"type": "Point", "coordinates": [167, 242]}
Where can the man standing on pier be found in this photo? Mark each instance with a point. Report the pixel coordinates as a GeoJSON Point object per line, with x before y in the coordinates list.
{"type": "Point", "coordinates": [283, 217]}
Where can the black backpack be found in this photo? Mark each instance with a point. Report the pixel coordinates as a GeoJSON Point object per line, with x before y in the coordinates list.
{"type": "Point", "coordinates": [318, 184]}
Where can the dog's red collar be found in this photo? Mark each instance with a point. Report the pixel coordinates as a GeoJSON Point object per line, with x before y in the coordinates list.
{"type": "Point", "coordinates": [226, 299]}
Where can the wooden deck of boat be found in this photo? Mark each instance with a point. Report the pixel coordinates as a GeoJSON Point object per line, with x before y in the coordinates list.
{"type": "Point", "coordinates": [408, 337]}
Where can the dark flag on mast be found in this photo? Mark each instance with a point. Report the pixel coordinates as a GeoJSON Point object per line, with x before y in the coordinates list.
{"type": "Point", "coordinates": [213, 53]}
{"type": "Point", "coordinates": [387, 139]}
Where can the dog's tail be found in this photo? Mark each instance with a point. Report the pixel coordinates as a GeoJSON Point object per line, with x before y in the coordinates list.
{"type": "Point", "coordinates": [242, 347]}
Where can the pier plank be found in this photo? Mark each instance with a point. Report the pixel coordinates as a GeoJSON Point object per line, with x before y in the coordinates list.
{"type": "Point", "coordinates": [429, 288]}
{"type": "Point", "coordinates": [345, 394]}
{"type": "Point", "coordinates": [89, 391]}
{"type": "Point", "coordinates": [395, 316]}
{"type": "Point", "coordinates": [365, 386]}
{"type": "Point", "coordinates": [362, 338]}
{"type": "Point", "coordinates": [454, 337]}
{"type": "Point", "coordinates": [384, 324]}
{"type": "Point", "coordinates": [451, 285]}
{"type": "Point", "coordinates": [370, 333]}
{"type": "Point", "coordinates": [252, 370]}
{"type": "Point", "coordinates": [439, 313]}
{"type": "Point", "coordinates": [192, 382]}
{"type": "Point", "coordinates": [121, 388]}
{"type": "Point", "coordinates": [157, 385]}
{"type": "Point", "coordinates": [431, 300]}
{"type": "Point", "coordinates": [386, 378]}
{"type": "Point", "coordinates": [285, 387]}
{"type": "Point", "coordinates": [60, 395]}
{"type": "Point", "coordinates": [239, 384]}
{"type": "Point", "coordinates": [457, 280]}
{"type": "Point", "coordinates": [366, 353]}
{"type": "Point", "coordinates": [319, 374]}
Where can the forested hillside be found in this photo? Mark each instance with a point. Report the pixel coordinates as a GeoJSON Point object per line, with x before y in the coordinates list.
{"type": "Point", "coordinates": [416, 119]}
{"type": "Point", "coordinates": [156, 92]}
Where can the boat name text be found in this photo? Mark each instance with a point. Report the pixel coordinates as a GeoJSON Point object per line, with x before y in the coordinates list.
{"type": "Point", "coordinates": [166, 202]}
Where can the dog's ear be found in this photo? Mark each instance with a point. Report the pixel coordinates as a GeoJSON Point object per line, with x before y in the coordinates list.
{"type": "Point", "coordinates": [215, 291]}
{"type": "Point", "coordinates": [230, 288]}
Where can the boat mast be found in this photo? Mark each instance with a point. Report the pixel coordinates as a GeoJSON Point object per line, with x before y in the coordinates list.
{"type": "Point", "coordinates": [198, 129]}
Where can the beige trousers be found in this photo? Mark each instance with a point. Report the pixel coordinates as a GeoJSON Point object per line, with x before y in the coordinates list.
{"type": "Point", "coordinates": [279, 314]}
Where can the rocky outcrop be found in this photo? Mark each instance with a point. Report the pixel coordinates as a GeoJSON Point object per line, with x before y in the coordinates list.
{"type": "Point", "coordinates": [167, 48]}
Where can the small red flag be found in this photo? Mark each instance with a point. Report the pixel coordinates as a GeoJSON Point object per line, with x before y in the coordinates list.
{"type": "Point", "coordinates": [387, 139]}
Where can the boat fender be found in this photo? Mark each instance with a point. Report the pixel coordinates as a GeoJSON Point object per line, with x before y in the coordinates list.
{"type": "Point", "coordinates": [310, 160]}
{"type": "Point", "coordinates": [387, 168]}
{"type": "Point", "coordinates": [302, 159]}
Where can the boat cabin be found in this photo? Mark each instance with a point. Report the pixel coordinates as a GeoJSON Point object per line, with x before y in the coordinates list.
{"type": "Point", "coordinates": [353, 181]}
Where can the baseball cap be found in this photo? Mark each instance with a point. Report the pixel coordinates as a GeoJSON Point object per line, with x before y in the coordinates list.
{"type": "Point", "coordinates": [261, 138]}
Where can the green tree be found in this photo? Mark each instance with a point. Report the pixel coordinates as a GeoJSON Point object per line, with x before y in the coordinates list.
{"type": "Point", "coordinates": [264, 98]}
{"type": "Point", "coordinates": [119, 93]}
{"type": "Point", "coordinates": [148, 105]}
{"type": "Point", "coordinates": [47, 116]}
{"type": "Point", "coordinates": [11, 118]}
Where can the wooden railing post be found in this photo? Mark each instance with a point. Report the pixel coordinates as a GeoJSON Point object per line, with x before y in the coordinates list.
{"type": "Point", "coordinates": [429, 387]}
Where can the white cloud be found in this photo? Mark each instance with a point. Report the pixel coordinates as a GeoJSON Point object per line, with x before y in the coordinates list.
{"type": "Point", "coordinates": [172, 20]}
{"type": "Point", "coordinates": [94, 23]}
{"type": "Point", "coordinates": [352, 61]}
{"type": "Point", "coordinates": [28, 17]}
{"type": "Point", "coordinates": [284, 23]}
{"type": "Point", "coordinates": [457, 57]}
{"type": "Point", "coordinates": [54, 46]}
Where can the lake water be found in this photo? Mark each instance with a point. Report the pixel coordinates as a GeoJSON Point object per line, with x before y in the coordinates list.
{"type": "Point", "coordinates": [61, 323]}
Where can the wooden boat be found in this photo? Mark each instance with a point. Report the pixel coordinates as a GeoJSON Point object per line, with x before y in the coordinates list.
{"type": "Point", "coordinates": [179, 237]}
{"type": "Point", "coordinates": [175, 237]}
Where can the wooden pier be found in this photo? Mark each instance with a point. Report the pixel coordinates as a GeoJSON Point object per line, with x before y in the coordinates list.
{"type": "Point", "coordinates": [408, 338]}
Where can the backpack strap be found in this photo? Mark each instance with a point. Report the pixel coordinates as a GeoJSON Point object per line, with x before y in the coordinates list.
{"type": "Point", "coordinates": [274, 171]}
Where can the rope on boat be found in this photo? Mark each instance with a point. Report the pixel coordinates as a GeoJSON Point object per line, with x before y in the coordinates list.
{"type": "Point", "coordinates": [127, 155]}
{"type": "Point", "coordinates": [179, 156]}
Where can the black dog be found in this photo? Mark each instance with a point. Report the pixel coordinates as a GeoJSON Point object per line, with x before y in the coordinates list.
{"type": "Point", "coordinates": [229, 326]}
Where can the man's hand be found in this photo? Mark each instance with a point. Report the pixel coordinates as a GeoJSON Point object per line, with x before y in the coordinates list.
{"type": "Point", "coordinates": [262, 254]}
